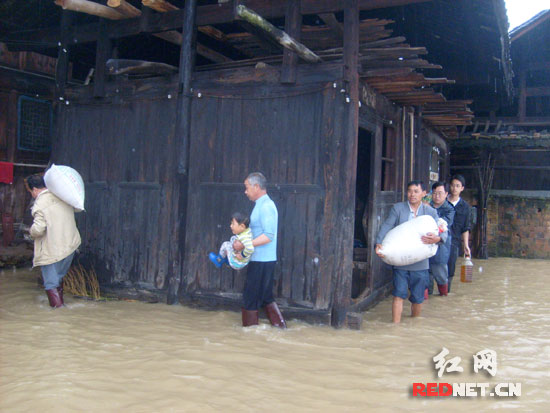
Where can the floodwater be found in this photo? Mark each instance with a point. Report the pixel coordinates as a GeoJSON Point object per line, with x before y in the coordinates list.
{"type": "Point", "coordinates": [119, 356]}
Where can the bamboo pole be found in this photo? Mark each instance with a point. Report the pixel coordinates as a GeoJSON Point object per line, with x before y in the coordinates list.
{"type": "Point", "coordinates": [89, 7]}
{"type": "Point", "coordinates": [280, 36]}
{"type": "Point", "coordinates": [125, 8]}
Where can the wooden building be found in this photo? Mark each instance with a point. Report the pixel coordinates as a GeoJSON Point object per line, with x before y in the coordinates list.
{"type": "Point", "coordinates": [505, 156]}
{"type": "Point", "coordinates": [336, 111]}
{"type": "Point", "coordinates": [27, 86]}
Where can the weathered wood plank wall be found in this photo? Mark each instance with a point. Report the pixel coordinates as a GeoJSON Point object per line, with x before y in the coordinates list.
{"type": "Point", "coordinates": [243, 121]}
{"type": "Point", "coordinates": [291, 139]}
{"type": "Point", "coordinates": [125, 155]}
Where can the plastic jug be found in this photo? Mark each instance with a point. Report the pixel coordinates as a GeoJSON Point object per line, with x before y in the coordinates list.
{"type": "Point", "coordinates": [466, 270]}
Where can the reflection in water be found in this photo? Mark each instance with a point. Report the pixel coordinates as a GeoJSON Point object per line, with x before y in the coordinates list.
{"type": "Point", "coordinates": [130, 356]}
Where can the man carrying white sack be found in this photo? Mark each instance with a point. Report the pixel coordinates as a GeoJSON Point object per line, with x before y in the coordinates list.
{"type": "Point", "coordinates": [55, 236]}
{"type": "Point", "coordinates": [413, 277]}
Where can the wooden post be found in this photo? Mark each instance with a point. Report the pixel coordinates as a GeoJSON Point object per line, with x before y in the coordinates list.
{"type": "Point", "coordinates": [293, 26]}
{"type": "Point", "coordinates": [182, 137]}
{"type": "Point", "coordinates": [348, 169]}
{"type": "Point", "coordinates": [103, 53]}
{"type": "Point", "coordinates": [187, 65]}
{"type": "Point", "coordinates": [522, 102]}
{"type": "Point", "coordinates": [62, 68]}
{"type": "Point", "coordinates": [485, 172]}
{"type": "Point", "coordinates": [253, 18]}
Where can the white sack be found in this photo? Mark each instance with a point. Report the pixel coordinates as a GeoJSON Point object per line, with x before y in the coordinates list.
{"type": "Point", "coordinates": [402, 245]}
{"type": "Point", "coordinates": [67, 184]}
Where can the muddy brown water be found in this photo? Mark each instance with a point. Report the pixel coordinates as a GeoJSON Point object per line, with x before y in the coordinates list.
{"type": "Point", "coordinates": [119, 356]}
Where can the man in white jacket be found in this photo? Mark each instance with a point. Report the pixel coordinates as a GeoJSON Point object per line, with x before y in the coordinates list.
{"type": "Point", "coordinates": [55, 236]}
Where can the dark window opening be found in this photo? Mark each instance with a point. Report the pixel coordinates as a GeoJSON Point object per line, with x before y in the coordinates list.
{"type": "Point", "coordinates": [360, 278]}
{"type": "Point", "coordinates": [34, 127]}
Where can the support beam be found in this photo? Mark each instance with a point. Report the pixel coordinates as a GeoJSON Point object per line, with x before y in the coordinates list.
{"type": "Point", "coordinates": [331, 21]}
{"type": "Point", "coordinates": [182, 136]}
{"type": "Point", "coordinates": [293, 26]}
{"type": "Point", "coordinates": [89, 7]}
{"type": "Point", "coordinates": [175, 37]}
{"type": "Point", "coordinates": [171, 36]}
{"type": "Point", "coordinates": [104, 49]}
{"type": "Point", "coordinates": [348, 166]}
{"type": "Point", "coordinates": [187, 65]}
{"type": "Point", "coordinates": [125, 8]}
{"type": "Point", "coordinates": [253, 18]}
{"type": "Point", "coordinates": [126, 66]}
{"type": "Point", "coordinates": [159, 5]}
{"type": "Point", "coordinates": [62, 67]}
{"type": "Point", "coordinates": [206, 15]}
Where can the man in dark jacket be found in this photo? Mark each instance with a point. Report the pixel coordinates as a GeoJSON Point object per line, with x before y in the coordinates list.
{"type": "Point", "coordinates": [409, 280]}
{"type": "Point", "coordinates": [460, 229]}
{"type": "Point", "coordinates": [438, 263]}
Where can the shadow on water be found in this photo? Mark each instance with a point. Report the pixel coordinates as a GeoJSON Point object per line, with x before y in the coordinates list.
{"type": "Point", "coordinates": [132, 356]}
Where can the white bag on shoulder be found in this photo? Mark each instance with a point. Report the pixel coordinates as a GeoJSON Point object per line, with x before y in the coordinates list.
{"type": "Point", "coordinates": [402, 245]}
{"type": "Point", "coordinates": [67, 184]}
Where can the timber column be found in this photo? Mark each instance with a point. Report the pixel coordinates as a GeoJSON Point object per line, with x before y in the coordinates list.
{"type": "Point", "coordinates": [182, 135]}
{"type": "Point", "coordinates": [62, 68]}
{"type": "Point", "coordinates": [342, 294]}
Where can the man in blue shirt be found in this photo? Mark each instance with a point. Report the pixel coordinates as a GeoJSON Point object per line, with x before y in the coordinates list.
{"type": "Point", "coordinates": [258, 288]}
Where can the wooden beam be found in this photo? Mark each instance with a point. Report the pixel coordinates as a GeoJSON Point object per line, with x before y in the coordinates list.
{"type": "Point", "coordinates": [171, 36]}
{"type": "Point", "coordinates": [376, 52]}
{"type": "Point", "coordinates": [331, 21]}
{"type": "Point", "coordinates": [522, 100]}
{"type": "Point", "coordinates": [125, 66]}
{"type": "Point", "coordinates": [62, 67]}
{"type": "Point", "coordinates": [293, 26]}
{"type": "Point", "coordinates": [347, 153]}
{"type": "Point", "coordinates": [212, 32]}
{"type": "Point", "coordinates": [103, 53]}
{"type": "Point", "coordinates": [253, 18]}
{"type": "Point", "coordinates": [175, 37]}
{"type": "Point", "coordinates": [416, 63]}
{"type": "Point", "coordinates": [89, 7]}
{"type": "Point", "coordinates": [397, 71]}
{"type": "Point", "coordinates": [125, 8]}
{"type": "Point", "coordinates": [182, 135]}
{"type": "Point", "coordinates": [212, 55]}
{"type": "Point", "coordinates": [159, 5]}
{"type": "Point", "coordinates": [186, 68]}
{"type": "Point", "coordinates": [206, 15]}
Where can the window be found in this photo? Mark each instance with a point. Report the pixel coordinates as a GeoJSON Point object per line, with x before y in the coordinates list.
{"type": "Point", "coordinates": [35, 120]}
{"type": "Point", "coordinates": [434, 165]}
{"type": "Point", "coordinates": [389, 161]}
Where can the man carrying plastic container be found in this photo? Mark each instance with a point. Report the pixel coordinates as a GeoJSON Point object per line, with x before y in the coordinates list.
{"type": "Point", "coordinates": [411, 278]}
{"type": "Point", "coordinates": [461, 224]}
{"type": "Point", "coordinates": [55, 236]}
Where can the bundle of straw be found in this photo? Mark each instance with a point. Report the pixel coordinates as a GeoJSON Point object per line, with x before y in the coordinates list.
{"type": "Point", "coordinates": [82, 282]}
